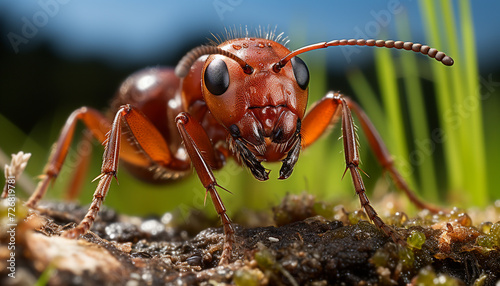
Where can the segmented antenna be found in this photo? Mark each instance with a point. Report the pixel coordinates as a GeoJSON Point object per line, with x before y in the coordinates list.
{"type": "Point", "coordinates": [424, 49]}
{"type": "Point", "coordinates": [182, 68]}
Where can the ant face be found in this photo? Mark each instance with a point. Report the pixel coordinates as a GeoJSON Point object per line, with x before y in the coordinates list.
{"type": "Point", "coordinates": [264, 108]}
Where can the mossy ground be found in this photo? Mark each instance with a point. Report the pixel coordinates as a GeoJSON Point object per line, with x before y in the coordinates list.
{"type": "Point", "coordinates": [302, 248]}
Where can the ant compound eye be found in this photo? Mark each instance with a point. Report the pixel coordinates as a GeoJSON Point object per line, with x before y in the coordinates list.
{"type": "Point", "coordinates": [217, 77]}
{"type": "Point", "coordinates": [300, 71]}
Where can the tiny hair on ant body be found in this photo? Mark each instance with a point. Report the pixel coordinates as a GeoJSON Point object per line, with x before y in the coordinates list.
{"type": "Point", "coordinates": [245, 98]}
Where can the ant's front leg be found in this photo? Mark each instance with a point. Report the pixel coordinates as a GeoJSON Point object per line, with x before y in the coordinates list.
{"type": "Point", "coordinates": [352, 160]}
{"type": "Point", "coordinates": [314, 125]}
{"type": "Point", "coordinates": [203, 158]}
{"type": "Point", "coordinates": [326, 110]}
{"type": "Point", "coordinates": [384, 157]}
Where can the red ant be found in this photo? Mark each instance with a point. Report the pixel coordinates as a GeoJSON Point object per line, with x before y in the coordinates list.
{"type": "Point", "coordinates": [244, 98]}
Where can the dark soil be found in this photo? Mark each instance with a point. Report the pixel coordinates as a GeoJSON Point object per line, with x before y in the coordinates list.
{"type": "Point", "coordinates": [341, 250]}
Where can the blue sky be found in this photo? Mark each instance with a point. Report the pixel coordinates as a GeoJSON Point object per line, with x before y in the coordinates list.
{"type": "Point", "coordinates": [127, 32]}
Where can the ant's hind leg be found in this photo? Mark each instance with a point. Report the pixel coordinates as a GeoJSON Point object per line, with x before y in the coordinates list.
{"type": "Point", "coordinates": [84, 149]}
{"type": "Point", "coordinates": [98, 126]}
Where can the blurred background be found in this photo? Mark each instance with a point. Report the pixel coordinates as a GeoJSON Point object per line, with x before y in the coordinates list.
{"type": "Point", "coordinates": [440, 123]}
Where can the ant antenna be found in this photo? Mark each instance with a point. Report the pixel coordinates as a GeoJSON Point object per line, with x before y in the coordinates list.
{"type": "Point", "coordinates": [424, 49]}
{"type": "Point", "coordinates": [182, 68]}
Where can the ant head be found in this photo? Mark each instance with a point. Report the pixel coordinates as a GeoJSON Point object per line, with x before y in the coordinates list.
{"type": "Point", "coordinates": [260, 107]}
{"type": "Point", "coordinates": [254, 96]}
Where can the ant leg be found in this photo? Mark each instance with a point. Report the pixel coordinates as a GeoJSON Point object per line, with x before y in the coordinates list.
{"type": "Point", "coordinates": [315, 124]}
{"type": "Point", "coordinates": [203, 157]}
{"type": "Point", "coordinates": [146, 137]}
{"type": "Point", "coordinates": [326, 111]}
{"type": "Point", "coordinates": [75, 184]}
{"type": "Point", "coordinates": [98, 126]}
{"type": "Point", "coordinates": [384, 157]}
{"type": "Point", "coordinates": [352, 161]}
{"type": "Point", "coordinates": [323, 114]}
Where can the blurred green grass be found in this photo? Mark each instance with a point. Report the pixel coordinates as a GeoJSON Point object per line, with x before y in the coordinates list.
{"type": "Point", "coordinates": [461, 175]}
{"type": "Point", "coordinates": [455, 172]}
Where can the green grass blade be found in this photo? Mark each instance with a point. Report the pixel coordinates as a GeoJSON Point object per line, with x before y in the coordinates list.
{"type": "Point", "coordinates": [422, 156]}
{"type": "Point", "coordinates": [459, 103]}
{"type": "Point", "coordinates": [457, 85]}
{"type": "Point", "coordinates": [444, 94]}
{"type": "Point", "coordinates": [396, 140]}
{"type": "Point", "coordinates": [367, 98]}
{"type": "Point", "coordinates": [476, 129]}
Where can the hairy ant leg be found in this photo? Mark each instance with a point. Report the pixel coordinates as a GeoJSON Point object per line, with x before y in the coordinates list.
{"type": "Point", "coordinates": [384, 157]}
{"type": "Point", "coordinates": [144, 137]}
{"type": "Point", "coordinates": [98, 126]}
{"type": "Point", "coordinates": [82, 165]}
{"type": "Point", "coordinates": [321, 116]}
{"type": "Point", "coordinates": [203, 157]}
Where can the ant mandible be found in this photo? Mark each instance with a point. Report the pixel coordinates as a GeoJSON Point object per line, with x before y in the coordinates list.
{"type": "Point", "coordinates": [245, 98]}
